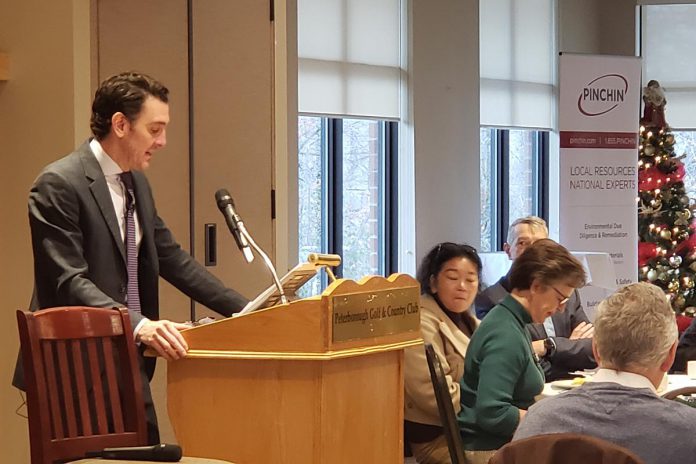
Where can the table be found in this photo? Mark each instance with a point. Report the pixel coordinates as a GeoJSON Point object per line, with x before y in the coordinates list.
{"type": "Point", "coordinates": [674, 381]}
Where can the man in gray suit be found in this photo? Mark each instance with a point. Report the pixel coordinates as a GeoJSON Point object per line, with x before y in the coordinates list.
{"type": "Point", "coordinates": [79, 208]}
{"type": "Point", "coordinates": [564, 341]}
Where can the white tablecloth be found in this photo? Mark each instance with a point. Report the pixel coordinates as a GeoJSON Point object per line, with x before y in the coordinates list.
{"type": "Point", "coordinates": [674, 381]}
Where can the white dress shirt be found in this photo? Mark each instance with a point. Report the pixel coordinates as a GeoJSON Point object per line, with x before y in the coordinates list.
{"type": "Point", "coordinates": [112, 173]}
{"type": "Point", "coordinates": [118, 193]}
{"type": "Point", "coordinates": [627, 379]}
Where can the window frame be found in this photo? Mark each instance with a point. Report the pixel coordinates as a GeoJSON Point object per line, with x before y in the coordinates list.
{"type": "Point", "coordinates": [332, 191]}
{"type": "Point", "coordinates": [500, 181]}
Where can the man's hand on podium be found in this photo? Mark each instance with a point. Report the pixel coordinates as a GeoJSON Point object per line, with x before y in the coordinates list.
{"type": "Point", "coordinates": [163, 336]}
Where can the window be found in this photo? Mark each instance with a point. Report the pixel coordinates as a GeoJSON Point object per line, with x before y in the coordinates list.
{"type": "Point", "coordinates": [667, 48]}
{"type": "Point", "coordinates": [667, 43]}
{"type": "Point", "coordinates": [517, 45]}
{"type": "Point", "coordinates": [685, 144]}
{"type": "Point", "coordinates": [347, 194]}
{"type": "Point", "coordinates": [514, 164]}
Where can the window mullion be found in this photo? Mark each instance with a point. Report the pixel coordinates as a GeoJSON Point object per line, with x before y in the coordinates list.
{"type": "Point", "coordinates": [390, 204]}
{"type": "Point", "coordinates": [543, 174]}
{"type": "Point", "coordinates": [502, 154]}
{"type": "Point", "coordinates": [335, 190]}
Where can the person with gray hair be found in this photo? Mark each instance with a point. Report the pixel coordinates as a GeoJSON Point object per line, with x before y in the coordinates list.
{"type": "Point", "coordinates": [563, 341]}
{"type": "Point", "coordinates": [635, 341]}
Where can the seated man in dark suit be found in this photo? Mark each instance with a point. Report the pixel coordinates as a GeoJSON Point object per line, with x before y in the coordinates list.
{"type": "Point", "coordinates": [686, 350]}
{"type": "Point", "coordinates": [564, 341]}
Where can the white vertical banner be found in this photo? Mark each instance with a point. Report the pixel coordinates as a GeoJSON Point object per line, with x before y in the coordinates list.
{"type": "Point", "coordinates": [599, 108]}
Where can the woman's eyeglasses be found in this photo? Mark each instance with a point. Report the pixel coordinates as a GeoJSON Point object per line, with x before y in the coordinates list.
{"type": "Point", "coordinates": [564, 299]}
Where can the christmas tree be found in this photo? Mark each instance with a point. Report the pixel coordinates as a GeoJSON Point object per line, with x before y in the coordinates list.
{"type": "Point", "coordinates": [667, 243]}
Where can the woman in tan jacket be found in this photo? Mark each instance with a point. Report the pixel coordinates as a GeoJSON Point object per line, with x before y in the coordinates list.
{"type": "Point", "coordinates": [449, 277]}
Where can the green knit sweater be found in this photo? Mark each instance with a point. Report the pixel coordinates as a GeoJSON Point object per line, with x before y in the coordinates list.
{"type": "Point", "coordinates": [501, 376]}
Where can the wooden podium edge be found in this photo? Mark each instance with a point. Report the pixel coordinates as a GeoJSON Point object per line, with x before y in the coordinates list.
{"type": "Point", "coordinates": [299, 356]}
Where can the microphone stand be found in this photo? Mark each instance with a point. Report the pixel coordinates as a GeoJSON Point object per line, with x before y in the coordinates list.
{"type": "Point", "coordinates": [266, 260]}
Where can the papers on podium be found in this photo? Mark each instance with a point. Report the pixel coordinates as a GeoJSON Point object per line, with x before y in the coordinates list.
{"type": "Point", "coordinates": [291, 282]}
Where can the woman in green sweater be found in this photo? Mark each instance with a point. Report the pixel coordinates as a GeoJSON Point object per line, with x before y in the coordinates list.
{"type": "Point", "coordinates": [501, 373]}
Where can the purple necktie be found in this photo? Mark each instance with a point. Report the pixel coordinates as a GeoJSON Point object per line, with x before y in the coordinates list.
{"type": "Point", "coordinates": [133, 295]}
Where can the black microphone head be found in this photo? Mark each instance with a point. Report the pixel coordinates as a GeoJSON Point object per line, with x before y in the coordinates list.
{"type": "Point", "coordinates": [223, 199]}
{"type": "Point", "coordinates": [168, 453]}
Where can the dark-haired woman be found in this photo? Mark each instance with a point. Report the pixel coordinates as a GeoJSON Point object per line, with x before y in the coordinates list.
{"type": "Point", "coordinates": [502, 375]}
{"type": "Point", "coordinates": [449, 277]}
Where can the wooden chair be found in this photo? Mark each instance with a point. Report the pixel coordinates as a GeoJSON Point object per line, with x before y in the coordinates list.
{"type": "Point", "coordinates": [83, 382]}
{"type": "Point", "coordinates": [444, 406]}
{"type": "Point", "coordinates": [564, 448]}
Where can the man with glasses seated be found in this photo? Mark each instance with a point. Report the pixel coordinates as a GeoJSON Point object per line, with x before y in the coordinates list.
{"type": "Point", "coordinates": [564, 341]}
{"type": "Point", "coordinates": [635, 342]}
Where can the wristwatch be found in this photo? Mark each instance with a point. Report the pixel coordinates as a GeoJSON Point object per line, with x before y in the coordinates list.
{"type": "Point", "coordinates": [550, 345]}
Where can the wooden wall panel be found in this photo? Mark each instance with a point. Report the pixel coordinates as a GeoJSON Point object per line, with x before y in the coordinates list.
{"type": "Point", "coordinates": [232, 121]}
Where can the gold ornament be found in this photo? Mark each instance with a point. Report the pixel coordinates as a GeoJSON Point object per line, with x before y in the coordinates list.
{"type": "Point", "coordinates": [673, 286]}
{"type": "Point", "coordinates": [679, 302]}
{"type": "Point", "coordinates": [683, 218]}
{"type": "Point", "coordinates": [645, 209]}
{"type": "Point", "coordinates": [666, 234]}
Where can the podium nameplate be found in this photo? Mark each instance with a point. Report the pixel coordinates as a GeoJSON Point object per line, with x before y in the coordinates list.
{"type": "Point", "coordinates": [356, 316]}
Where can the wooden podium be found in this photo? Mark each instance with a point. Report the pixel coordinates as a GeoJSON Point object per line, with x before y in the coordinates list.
{"type": "Point", "coordinates": [316, 381]}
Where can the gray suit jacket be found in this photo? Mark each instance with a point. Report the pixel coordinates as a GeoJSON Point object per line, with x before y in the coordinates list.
{"type": "Point", "coordinates": [660, 431]}
{"type": "Point", "coordinates": [571, 355]}
{"type": "Point", "coordinates": [79, 255]}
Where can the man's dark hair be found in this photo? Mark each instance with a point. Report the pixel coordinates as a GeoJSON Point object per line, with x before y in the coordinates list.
{"type": "Point", "coordinates": [437, 257]}
{"type": "Point", "coordinates": [123, 93]}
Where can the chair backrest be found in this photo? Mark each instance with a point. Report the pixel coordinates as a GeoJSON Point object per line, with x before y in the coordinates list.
{"type": "Point", "coordinates": [84, 390]}
{"type": "Point", "coordinates": [674, 394]}
{"type": "Point", "coordinates": [564, 448]}
{"type": "Point", "coordinates": [444, 406]}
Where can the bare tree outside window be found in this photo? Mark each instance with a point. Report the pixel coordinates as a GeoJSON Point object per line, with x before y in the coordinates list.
{"type": "Point", "coordinates": [362, 174]}
{"type": "Point", "coordinates": [358, 146]}
{"type": "Point", "coordinates": [486, 173]}
{"type": "Point", "coordinates": [310, 154]}
{"type": "Point", "coordinates": [512, 162]}
{"type": "Point", "coordinates": [685, 144]}
{"type": "Point", "coordinates": [521, 172]}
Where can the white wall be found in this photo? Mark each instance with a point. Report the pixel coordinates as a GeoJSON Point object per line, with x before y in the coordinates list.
{"type": "Point", "coordinates": [445, 86]}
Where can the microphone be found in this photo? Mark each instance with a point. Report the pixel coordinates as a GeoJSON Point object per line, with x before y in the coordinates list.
{"type": "Point", "coordinates": [244, 240]}
{"type": "Point", "coordinates": [158, 453]}
{"type": "Point", "coordinates": [234, 222]}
